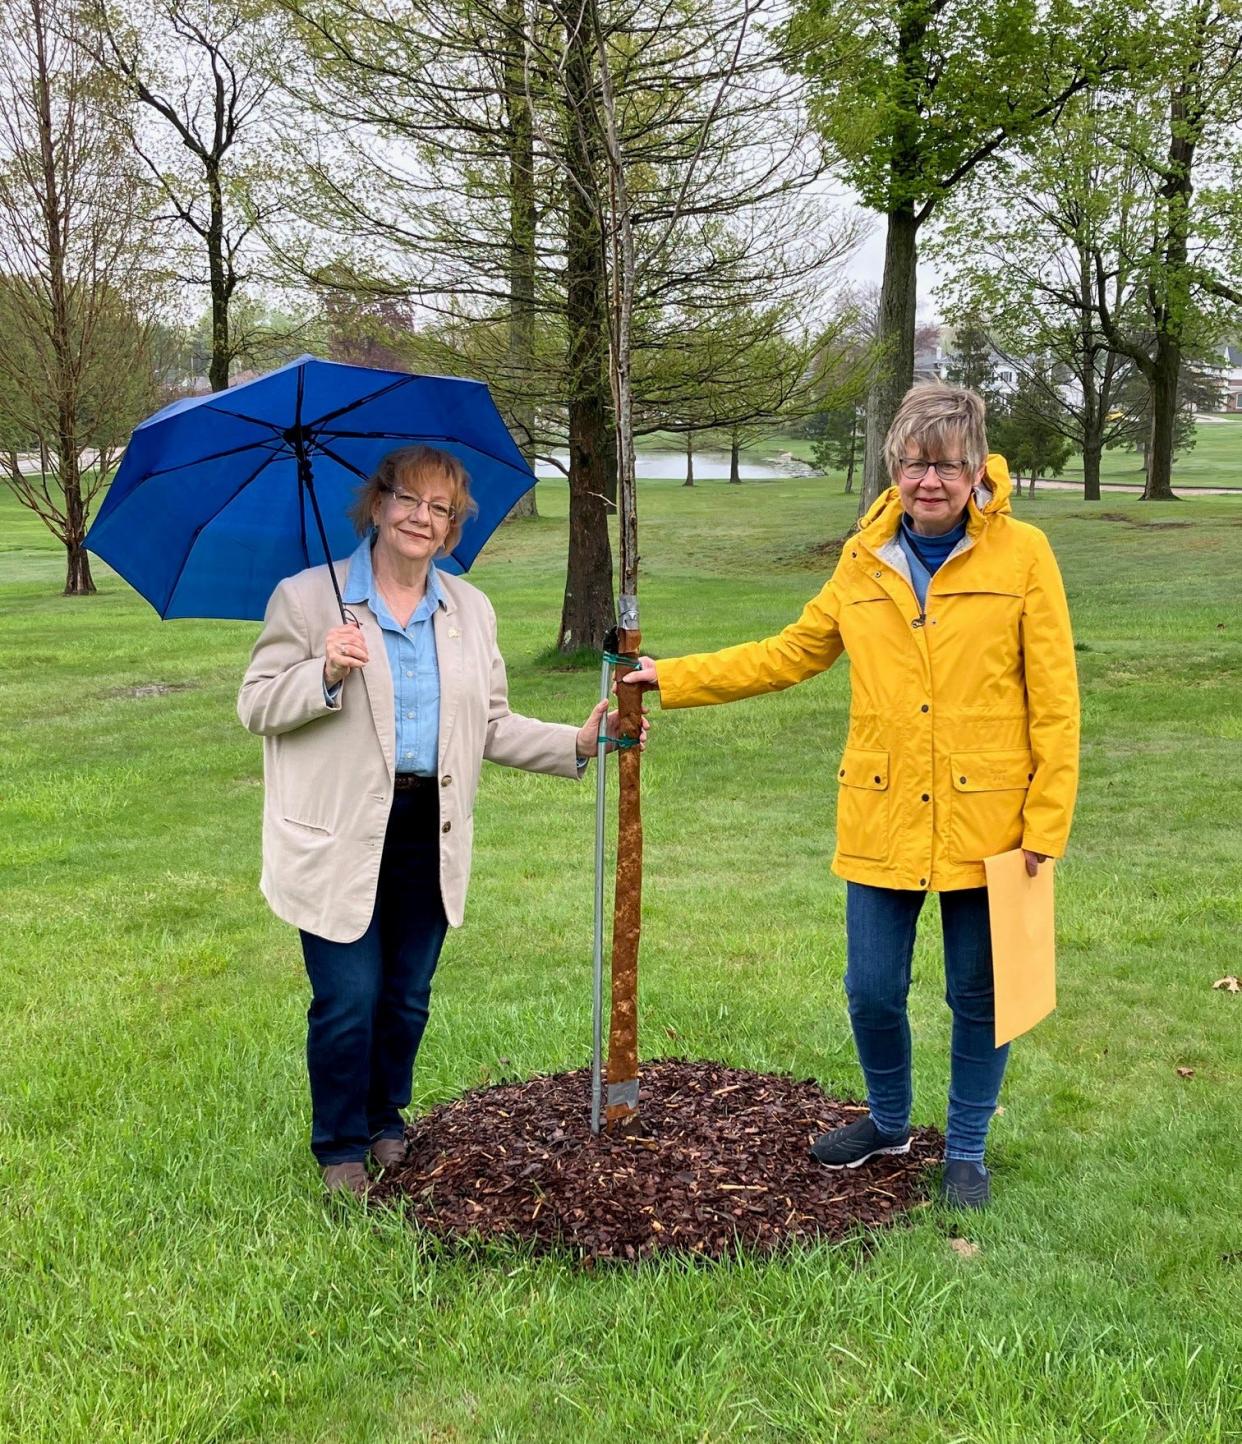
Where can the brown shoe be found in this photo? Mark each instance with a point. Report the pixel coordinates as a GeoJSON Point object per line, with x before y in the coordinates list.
{"type": "Point", "coordinates": [346, 1178]}
{"type": "Point", "coordinates": [388, 1152]}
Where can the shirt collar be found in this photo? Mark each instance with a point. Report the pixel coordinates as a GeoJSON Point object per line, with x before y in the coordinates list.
{"type": "Point", "coordinates": [360, 583]}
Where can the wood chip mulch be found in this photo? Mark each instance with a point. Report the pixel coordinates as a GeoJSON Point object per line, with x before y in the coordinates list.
{"type": "Point", "coordinates": [722, 1166]}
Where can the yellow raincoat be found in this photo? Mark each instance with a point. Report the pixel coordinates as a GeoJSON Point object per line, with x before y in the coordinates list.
{"type": "Point", "coordinates": [963, 738]}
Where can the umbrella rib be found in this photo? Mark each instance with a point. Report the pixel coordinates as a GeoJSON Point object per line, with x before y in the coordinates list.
{"type": "Point", "coordinates": [202, 527]}
{"type": "Point", "coordinates": [361, 401]}
{"type": "Point", "coordinates": [523, 470]}
{"type": "Point", "coordinates": [199, 460]}
{"type": "Point", "coordinates": [340, 460]}
{"type": "Point", "coordinates": [241, 416]}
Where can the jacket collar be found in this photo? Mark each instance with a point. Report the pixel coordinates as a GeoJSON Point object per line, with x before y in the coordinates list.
{"type": "Point", "coordinates": [989, 498]}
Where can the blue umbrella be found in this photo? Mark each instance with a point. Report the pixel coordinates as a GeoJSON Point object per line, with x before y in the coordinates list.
{"type": "Point", "coordinates": [219, 497]}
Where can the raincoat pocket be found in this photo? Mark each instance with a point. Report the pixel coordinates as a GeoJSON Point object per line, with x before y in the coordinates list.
{"type": "Point", "coordinates": [862, 803]}
{"type": "Point", "coordinates": [989, 793]}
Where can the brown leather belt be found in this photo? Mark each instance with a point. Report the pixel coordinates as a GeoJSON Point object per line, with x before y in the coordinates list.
{"type": "Point", "coordinates": [410, 781]}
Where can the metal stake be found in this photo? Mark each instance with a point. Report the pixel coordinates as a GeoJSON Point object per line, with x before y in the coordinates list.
{"type": "Point", "coordinates": [597, 980]}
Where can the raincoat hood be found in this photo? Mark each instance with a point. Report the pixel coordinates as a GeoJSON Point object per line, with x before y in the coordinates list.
{"type": "Point", "coordinates": [989, 498]}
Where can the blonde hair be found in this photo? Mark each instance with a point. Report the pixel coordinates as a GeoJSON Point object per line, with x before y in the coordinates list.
{"type": "Point", "coordinates": [403, 470]}
{"type": "Point", "coordinates": [934, 416]}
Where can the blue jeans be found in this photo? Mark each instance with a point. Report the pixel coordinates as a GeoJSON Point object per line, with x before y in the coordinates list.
{"type": "Point", "coordinates": [370, 998]}
{"type": "Point", "coordinates": [879, 930]}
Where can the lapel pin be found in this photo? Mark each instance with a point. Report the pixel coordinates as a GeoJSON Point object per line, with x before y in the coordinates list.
{"type": "Point", "coordinates": [453, 632]}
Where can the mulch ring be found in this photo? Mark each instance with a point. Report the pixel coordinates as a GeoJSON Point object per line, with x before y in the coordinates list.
{"type": "Point", "coordinates": [721, 1166]}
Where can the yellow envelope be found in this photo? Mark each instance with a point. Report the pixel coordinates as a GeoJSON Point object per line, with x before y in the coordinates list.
{"type": "Point", "coordinates": [1024, 969]}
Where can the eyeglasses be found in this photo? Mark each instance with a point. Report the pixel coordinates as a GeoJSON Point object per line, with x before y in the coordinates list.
{"type": "Point", "coordinates": [405, 502]}
{"type": "Point", "coordinates": [916, 468]}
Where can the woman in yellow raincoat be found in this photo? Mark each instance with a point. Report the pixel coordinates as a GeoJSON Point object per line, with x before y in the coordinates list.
{"type": "Point", "coordinates": [963, 743]}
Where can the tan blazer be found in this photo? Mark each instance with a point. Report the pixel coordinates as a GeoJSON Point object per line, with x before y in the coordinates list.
{"type": "Point", "coordinates": [328, 769]}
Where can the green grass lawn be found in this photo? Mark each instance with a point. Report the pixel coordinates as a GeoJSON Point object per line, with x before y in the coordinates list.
{"type": "Point", "coordinates": [1215, 460]}
{"type": "Point", "coordinates": [168, 1271]}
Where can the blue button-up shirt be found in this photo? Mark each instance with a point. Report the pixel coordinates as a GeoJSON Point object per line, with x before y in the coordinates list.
{"type": "Point", "coordinates": [411, 659]}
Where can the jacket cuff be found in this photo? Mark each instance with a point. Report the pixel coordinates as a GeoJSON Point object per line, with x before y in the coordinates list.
{"type": "Point", "coordinates": [1044, 845]}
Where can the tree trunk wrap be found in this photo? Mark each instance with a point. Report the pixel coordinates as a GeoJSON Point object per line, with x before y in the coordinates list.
{"type": "Point", "coordinates": [627, 911]}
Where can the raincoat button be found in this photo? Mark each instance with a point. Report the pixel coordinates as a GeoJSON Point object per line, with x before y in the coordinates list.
{"type": "Point", "coordinates": [962, 780]}
{"type": "Point", "coordinates": [924, 708]}
{"type": "Point", "coordinates": [841, 773]}
{"type": "Point", "coordinates": [448, 827]}
{"type": "Point", "coordinates": [922, 882]}
{"type": "Point", "coordinates": [879, 574]}
{"type": "Point", "coordinates": [1030, 777]}
{"type": "Point", "coordinates": [877, 777]}
{"type": "Point", "coordinates": [926, 797]}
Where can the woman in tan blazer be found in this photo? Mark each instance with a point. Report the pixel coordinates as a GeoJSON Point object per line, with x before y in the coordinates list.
{"type": "Point", "coordinates": [374, 733]}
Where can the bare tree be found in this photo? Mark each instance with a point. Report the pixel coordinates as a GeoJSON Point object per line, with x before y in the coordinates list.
{"type": "Point", "coordinates": [201, 71]}
{"type": "Point", "coordinates": [428, 175]}
{"type": "Point", "coordinates": [77, 294]}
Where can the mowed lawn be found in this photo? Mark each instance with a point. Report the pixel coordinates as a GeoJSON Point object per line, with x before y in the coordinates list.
{"type": "Point", "coordinates": [168, 1270]}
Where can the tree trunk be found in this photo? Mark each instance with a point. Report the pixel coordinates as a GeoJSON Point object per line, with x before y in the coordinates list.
{"type": "Point", "coordinates": [895, 340]}
{"type": "Point", "coordinates": [1163, 420]}
{"type": "Point", "coordinates": [735, 466]}
{"type": "Point", "coordinates": [1091, 452]}
{"type": "Point", "coordinates": [1170, 313]}
{"type": "Point", "coordinates": [78, 579]}
{"type": "Point", "coordinates": [1095, 396]}
{"type": "Point", "coordinates": [689, 481]}
{"type": "Point", "coordinates": [853, 452]}
{"type": "Point", "coordinates": [221, 289]}
{"type": "Point", "coordinates": [522, 218]}
{"type": "Point", "coordinates": [55, 218]}
{"type": "Point", "coordinates": [587, 612]}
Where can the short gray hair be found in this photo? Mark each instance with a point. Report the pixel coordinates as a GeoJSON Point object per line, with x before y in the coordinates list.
{"type": "Point", "coordinates": [935, 415]}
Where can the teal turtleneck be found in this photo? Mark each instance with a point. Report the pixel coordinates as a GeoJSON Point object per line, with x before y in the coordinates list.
{"type": "Point", "coordinates": [926, 554]}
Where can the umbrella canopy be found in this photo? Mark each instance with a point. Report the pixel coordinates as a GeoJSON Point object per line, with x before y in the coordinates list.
{"type": "Point", "coordinates": [216, 497]}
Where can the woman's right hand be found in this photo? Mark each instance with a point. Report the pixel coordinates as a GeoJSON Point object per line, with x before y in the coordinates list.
{"type": "Point", "coordinates": [344, 648]}
{"type": "Point", "coordinates": [644, 675]}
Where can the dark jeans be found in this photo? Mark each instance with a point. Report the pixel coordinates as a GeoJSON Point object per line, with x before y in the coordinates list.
{"type": "Point", "coordinates": [879, 928]}
{"type": "Point", "coordinates": [369, 999]}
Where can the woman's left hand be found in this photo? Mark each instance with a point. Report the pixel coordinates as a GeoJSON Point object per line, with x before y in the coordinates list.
{"type": "Point", "coordinates": [588, 733]}
{"type": "Point", "coordinates": [1033, 859]}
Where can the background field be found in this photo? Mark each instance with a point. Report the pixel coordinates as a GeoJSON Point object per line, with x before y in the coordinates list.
{"type": "Point", "coordinates": [1215, 460]}
{"type": "Point", "coordinates": [167, 1268]}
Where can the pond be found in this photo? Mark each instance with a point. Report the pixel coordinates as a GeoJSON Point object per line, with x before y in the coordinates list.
{"type": "Point", "coordinates": [708, 466]}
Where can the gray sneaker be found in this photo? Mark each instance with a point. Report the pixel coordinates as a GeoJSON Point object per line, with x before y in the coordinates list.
{"type": "Point", "coordinates": [964, 1184]}
{"type": "Point", "coordinates": [855, 1143]}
